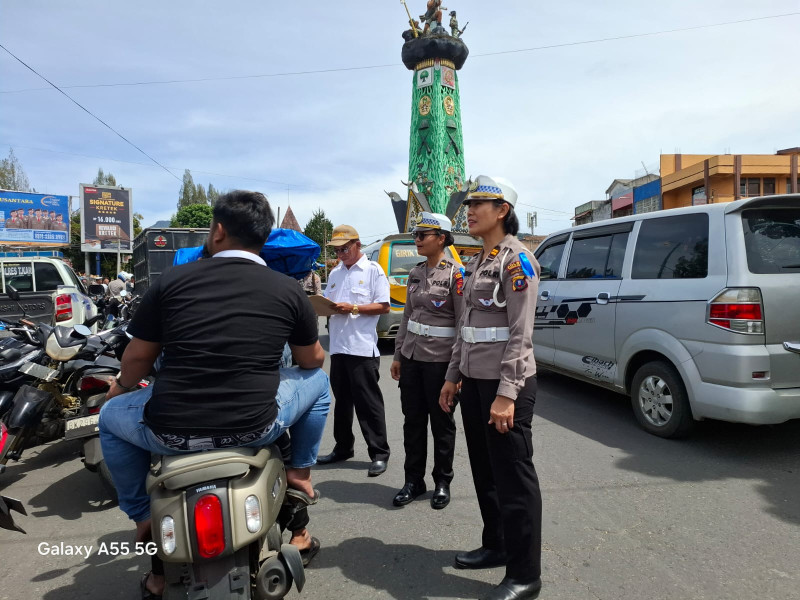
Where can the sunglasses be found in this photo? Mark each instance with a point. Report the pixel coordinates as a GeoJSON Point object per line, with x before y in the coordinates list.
{"type": "Point", "coordinates": [343, 249]}
{"type": "Point", "coordinates": [421, 235]}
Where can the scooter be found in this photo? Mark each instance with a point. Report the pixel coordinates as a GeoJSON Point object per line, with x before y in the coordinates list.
{"type": "Point", "coordinates": [215, 522]}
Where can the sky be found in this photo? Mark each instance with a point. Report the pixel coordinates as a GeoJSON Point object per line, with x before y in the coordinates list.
{"type": "Point", "coordinates": [310, 103]}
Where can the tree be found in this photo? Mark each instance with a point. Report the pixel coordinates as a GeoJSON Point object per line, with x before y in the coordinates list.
{"type": "Point", "coordinates": [12, 175]}
{"type": "Point", "coordinates": [319, 228]}
{"type": "Point", "coordinates": [188, 190]}
{"type": "Point", "coordinates": [193, 215]}
{"type": "Point", "coordinates": [200, 195]}
{"type": "Point", "coordinates": [104, 179]}
{"type": "Point", "coordinates": [213, 194]}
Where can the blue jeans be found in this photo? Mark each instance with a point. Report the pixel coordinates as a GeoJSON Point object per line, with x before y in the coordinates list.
{"type": "Point", "coordinates": [303, 403]}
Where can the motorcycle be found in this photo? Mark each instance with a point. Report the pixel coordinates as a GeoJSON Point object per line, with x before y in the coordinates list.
{"type": "Point", "coordinates": [75, 366]}
{"type": "Point", "coordinates": [215, 521]}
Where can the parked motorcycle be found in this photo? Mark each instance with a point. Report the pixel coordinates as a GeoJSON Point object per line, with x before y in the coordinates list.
{"type": "Point", "coordinates": [74, 367]}
{"type": "Point", "coordinates": [215, 521]}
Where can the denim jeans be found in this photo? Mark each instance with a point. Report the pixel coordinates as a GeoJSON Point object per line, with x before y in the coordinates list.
{"type": "Point", "coordinates": [303, 403]}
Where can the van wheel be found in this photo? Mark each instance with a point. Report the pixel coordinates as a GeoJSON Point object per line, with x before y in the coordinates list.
{"type": "Point", "coordinates": [660, 401]}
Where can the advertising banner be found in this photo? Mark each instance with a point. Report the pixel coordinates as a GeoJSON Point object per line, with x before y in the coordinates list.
{"type": "Point", "coordinates": [33, 219]}
{"type": "Point", "coordinates": [106, 219]}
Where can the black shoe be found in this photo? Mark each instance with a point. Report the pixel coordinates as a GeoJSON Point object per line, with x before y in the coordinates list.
{"type": "Point", "coordinates": [408, 493]}
{"type": "Point", "coordinates": [514, 589]}
{"type": "Point", "coordinates": [334, 457]}
{"type": "Point", "coordinates": [376, 468]}
{"type": "Point", "coordinates": [441, 496]}
{"type": "Point", "coordinates": [481, 558]}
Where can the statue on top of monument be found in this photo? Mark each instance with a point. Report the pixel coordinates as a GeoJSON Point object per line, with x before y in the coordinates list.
{"type": "Point", "coordinates": [433, 14]}
{"type": "Point", "coordinates": [454, 30]}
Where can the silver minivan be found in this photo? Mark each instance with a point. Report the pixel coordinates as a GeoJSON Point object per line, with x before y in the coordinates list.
{"type": "Point", "coordinates": [694, 312]}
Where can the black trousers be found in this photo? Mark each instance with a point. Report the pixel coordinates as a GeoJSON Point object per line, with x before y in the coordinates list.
{"type": "Point", "coordinates": [505, 478]}
{"type": "Point", "coordinates": [420, 384]}
{"type": "Point", "coordinates": [354, 381]}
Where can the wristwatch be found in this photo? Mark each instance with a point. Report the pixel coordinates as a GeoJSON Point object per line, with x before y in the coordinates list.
{"type": "Point", "coordinates": [119, 383]}
{"type": "Point", "coordinates": [354, 310]}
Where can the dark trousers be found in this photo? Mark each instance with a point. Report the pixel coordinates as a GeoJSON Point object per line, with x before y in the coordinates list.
{"type": "Point", "coordinates": [354, 381]}
{"type": "Point", "coordinates": [505, 478]}
{"type": "Point", "coordinates": [420, 384]}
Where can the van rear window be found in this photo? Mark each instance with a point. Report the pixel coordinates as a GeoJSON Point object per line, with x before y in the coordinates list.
{"type": "Point", "coordinates": [672, 248]}
{"type": "Point", "coordinates": [404, 257]}
{"type": "Point", "coordinates": [772, 239]}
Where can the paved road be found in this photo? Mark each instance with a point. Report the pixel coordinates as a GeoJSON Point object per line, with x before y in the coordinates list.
{"type": "Point", "coordinates": [626, 515]}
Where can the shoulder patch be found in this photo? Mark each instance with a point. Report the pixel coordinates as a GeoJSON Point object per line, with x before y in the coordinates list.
{"type": "Point", "coordinates": [527, 267]}
{"type": "Point", "coordinates": [458, 277]}
{"type": "Point", "coordinates": [519, 282]}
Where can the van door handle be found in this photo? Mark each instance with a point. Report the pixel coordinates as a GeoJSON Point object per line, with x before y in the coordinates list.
{"type": "Point", "coordinates": [792, 346]}
{"type": "Point", "coordinates": [544, 295]}
{"type": "Point", "coordinates": [602, 298]}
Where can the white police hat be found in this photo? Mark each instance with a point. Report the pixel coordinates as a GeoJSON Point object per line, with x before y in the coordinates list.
{"type": "Point", "coordinates": [433, 221]}
{"type": "Point", "coordinates": [491, 188]}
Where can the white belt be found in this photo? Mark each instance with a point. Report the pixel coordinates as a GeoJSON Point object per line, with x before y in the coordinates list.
{"type": "Point", "coordinates": [430, 330]}
{"type": "Point", "coordinates": [476, 335]}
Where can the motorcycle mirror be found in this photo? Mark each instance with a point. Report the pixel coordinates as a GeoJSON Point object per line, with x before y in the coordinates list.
{"type": "Point", "coordinates": [82, 330]}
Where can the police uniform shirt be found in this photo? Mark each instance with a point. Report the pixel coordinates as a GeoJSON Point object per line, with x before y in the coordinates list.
{"type": "Point", "coordinates": [433, 297]}
{"type": "Point", "coordinates": [363, 283]}
{"type": "Point", "coordinates": [509, 361]}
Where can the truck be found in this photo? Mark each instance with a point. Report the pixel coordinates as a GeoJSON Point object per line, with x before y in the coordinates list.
{"type": "Point", "coordinates": [49, 290]}
{"type": "Point", "coordinates": [154, 249]}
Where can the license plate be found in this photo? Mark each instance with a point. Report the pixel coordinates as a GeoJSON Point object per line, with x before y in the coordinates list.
{"type": "Point", "coordinates": [81, 427]}
{"type": "Point", "coordinates": [39, 371]}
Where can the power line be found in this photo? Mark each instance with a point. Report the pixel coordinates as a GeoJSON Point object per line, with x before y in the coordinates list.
{"type": "Point", "coordinates": [384, 66]}
{"type": "Point", "coordinates": [86, 110]}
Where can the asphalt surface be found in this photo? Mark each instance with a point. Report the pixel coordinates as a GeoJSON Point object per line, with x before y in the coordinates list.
{"type": "Point", "coordinates": [626, 515]}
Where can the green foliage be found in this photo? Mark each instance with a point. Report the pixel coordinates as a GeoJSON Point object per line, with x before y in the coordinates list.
{"type": "Point", "coordinates": [104, 179]}
{"type": "Point", "coordinates": [319, 228]}
{"type": "Point", "coordinates": [200, 195]}
{"type": "Point", "coordinates": [193, 215]}
{"type": "Point", "coordinates": [12, 175]}
{"type": "Point", "coordinates": [213, 194]}
{"type": "Point", "coordinates": [188, 190]}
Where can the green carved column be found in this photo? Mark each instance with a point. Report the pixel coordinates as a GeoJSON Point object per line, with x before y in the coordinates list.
{"type": "Point", "coordinates": [436, 149]}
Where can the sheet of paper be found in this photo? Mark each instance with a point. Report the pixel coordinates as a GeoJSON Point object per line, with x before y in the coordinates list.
{"type": "Point", "coordinates": [322, 306]}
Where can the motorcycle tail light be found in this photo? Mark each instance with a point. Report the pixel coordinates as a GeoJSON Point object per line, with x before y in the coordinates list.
{"type": "Point", "coordinates": [209, 526]}
{"type": "Point", "coordinates": [168, 535]}
{"type": "Point", "coordinates": [3, 435]}
{"type": "Point", "coordinates": [95, 383]}
{"type": "Point", "coordinates": [252, 513]}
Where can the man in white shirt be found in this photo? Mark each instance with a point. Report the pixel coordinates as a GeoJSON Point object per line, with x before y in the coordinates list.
{"type": "Point", "coordinates": [361, 292]}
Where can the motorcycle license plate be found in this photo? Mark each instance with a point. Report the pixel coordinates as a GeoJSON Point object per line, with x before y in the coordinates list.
{"type": "Point", "coordinates": [81, 427]}
{"type": "Point", "coordinates": [38, 371]}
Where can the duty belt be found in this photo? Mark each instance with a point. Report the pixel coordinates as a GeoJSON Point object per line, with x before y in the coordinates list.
{"type": "Point", "coordinates": [476, 335]}
{"type": "Point", "coordinates": [431, 330]}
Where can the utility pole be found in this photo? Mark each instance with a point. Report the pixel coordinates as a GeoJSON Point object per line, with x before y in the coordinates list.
{"type": "Point", "coordinates": [325, 248]}
{"type": "Point", "coordinates": [532, 222]}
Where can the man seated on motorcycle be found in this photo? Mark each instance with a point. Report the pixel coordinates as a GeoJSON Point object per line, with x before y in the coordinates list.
{"type": "Point", "coordinates": [222, 324]}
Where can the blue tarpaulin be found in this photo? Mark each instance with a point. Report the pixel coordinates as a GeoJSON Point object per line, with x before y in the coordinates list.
{"type": "Point", "coordinates": [286, 250]}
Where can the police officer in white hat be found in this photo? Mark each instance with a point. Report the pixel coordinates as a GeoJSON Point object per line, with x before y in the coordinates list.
{"type": "Point", "coordinates": [493, 359]}
{"type": "Point", "coordinates": [422, 354]}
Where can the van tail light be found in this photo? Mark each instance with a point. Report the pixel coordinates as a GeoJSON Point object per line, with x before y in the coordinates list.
{"type": "Point", "coordinates": [209, 526]}
{"type": "Point", "coordinates": [740, 310]}
{"type": "Point", "coordinates": [63, 308]}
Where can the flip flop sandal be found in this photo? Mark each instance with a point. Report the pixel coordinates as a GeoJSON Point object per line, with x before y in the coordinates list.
{"type": "Point", "coordinates": [302, 497]}
{"type": "Point", "coordinates": [147, 594]}
{"type": "Point", "coordinates": [309, 553]}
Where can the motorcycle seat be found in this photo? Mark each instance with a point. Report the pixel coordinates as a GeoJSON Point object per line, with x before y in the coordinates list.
{"type": "Point", "coordinates": [183, 470]}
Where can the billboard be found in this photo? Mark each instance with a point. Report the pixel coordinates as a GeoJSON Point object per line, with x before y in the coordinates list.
{"type": "Point", "coordinates": [33, 219]}
{"type": "Point", "coordinates": [106, 219]}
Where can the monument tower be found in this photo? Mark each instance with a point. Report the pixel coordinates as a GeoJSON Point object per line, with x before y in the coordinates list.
{"type": "Point", "coordinates": [436, 152]}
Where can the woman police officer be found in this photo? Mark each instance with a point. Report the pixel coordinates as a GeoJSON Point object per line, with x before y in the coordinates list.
{"type": "Point", "coordinates": [493, 358]}
{"type": "Point", "coordinates": [423, 346]}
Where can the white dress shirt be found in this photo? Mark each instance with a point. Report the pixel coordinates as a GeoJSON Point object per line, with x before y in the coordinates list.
{"type": "Point", "coordinates": [363, 283]}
